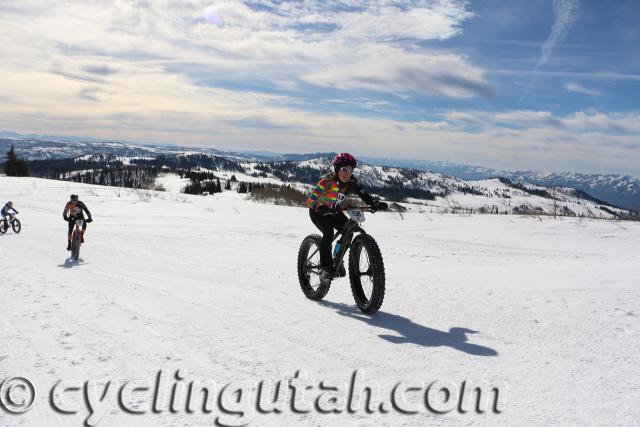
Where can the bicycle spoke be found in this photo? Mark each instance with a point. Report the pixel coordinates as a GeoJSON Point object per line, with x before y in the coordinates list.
{"type": "Point", "coordinates": [312, 269]}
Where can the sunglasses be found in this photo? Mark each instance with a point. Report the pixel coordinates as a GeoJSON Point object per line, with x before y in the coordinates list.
{"type": "Point", "coordinates": [347, 169]}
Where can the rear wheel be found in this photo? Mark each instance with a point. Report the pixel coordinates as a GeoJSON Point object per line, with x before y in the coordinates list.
{"type": "Point", "coordinates": [15, 224]}
{"type": "Point", "coordinates": [309, 268]}
{"type": "Point", "coordinates": [366, 273]}
{"type": "Point", "coordinates": [3, 226]}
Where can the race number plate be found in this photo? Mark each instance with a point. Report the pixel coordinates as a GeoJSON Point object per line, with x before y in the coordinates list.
{"type": "Point", "coordinates": [356, 214]}
{"type": "Point", "coordinates": [79, 222]}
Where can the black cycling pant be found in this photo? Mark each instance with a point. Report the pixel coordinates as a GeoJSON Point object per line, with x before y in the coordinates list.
{"type": "Point", "coordinates": [326, 224]}
{"type": "Point", "coordinates": [72, 224]}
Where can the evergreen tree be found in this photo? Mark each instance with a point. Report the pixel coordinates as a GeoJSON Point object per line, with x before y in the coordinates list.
{"type": "Point", "coordinates": [15, 166]}
{"type": "Point", "coordinates": [11, 166]}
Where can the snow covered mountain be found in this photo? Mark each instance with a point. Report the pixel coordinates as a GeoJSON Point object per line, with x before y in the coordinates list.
{"type": "Point", "coordinates": [618, 190]}
{"type": "Point", "coordinates": [451, 194]}
{"type": "Point", "coordinates": [431, 190]}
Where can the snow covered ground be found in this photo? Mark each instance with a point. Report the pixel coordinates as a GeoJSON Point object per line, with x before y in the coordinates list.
{"type": "Point", "coordinates": [208, 286]}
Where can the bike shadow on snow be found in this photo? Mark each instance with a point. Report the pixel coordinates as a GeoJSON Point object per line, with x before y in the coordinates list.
{"type": "Point", "coordinates": [413, 333]}
{"type": "Point", "coordinates": [70, 263]}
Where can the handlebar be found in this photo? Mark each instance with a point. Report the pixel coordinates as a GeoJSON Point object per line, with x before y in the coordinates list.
{"type": "Point", "coordinates": [362, 208]}
{"type": "Point", "coordinates": [369, 209]}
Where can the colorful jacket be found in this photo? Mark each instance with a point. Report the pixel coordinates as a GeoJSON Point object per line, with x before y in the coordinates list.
{"type": "Point", "coordinates": [331, 192]}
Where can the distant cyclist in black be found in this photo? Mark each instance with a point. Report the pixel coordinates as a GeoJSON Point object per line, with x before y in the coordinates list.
{"type": "Point", "coordinates": [5, 210]}
{"type": "Point", "coordinates": [75, 209]}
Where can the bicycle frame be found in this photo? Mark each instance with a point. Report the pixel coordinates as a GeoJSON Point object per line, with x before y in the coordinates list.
{"type": "Point", "coordinates": [345, 236]}
{"type": "Point", "coordinates": [78, 227]}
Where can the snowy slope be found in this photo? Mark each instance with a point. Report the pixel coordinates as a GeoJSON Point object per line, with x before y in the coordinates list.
{"type": "Point", "coordinates": [208, 285]}
{"type": "Point", "coordinates": [620, 190]}
{"type": "Point", "coordinates": [497, 195]}
{"type": "Point", "coordinates": [507, 199]}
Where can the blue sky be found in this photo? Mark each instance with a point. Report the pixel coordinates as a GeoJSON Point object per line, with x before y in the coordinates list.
{"type": "Point", "coordinates": [543, 85]}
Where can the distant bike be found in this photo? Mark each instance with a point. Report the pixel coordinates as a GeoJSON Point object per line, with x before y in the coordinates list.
{"type": "Point", "coordinates": [15, 224]}
{"type": "Point", "coordinates": [366, 268]}
{"type": "Point", "coordinates": [76, 239]}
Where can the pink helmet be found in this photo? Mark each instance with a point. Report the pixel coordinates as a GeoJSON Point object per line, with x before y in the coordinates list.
{"type": "Point", "coordinates": [344, 159]}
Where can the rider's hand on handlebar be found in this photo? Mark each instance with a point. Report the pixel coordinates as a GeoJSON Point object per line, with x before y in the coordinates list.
{"type": "Point", "coordinates": [379, 206]}
{"type": "Point", "coordinates": [89, 220]}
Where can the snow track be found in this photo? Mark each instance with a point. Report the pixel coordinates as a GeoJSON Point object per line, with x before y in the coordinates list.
{"type": "Point", "coordinates": [208, 285]}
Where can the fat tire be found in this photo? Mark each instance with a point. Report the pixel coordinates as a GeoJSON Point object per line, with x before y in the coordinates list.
{"type": "Point", "coordinates": [305, 247]}
{"type": "Point", "coordinates": [15, 224]}
{"type": "Point", "coordinates": [75, 247]}
{"type": "Point", "coordinates": [3, 226]}
{"type": "Point", "coordinates": [373, 303]}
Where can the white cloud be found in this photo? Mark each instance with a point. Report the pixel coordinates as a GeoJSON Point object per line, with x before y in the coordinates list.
{"type": "Point", "coordinates": [279, 42]}
{"type": "Point", "coordinates": [578, 88]}
{"type": "Point", "coordinates": [435, 22]}
{"type": "Point", "coordinates": [386, 69]}
{"type": "Point", "coordinates": [579, 122]}
{"type": "Point", "coordinates": [526, 119]}
{"type": "Point", "coordinates": [152, 71]}
{"type": "Point", "coordinates": [606, 123]}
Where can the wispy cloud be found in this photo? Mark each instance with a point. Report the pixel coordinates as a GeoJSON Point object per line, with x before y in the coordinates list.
{"type": "Point", "coordinates": [578, 88]}
{"type": "Point", "coordinates": [577, 122]}
{"type": "Point", "coordinates": [595, 75]}
{"type": "Point", "coordinates": [565, 13]}
{"type": "Point", "coordinates": [428, 75]}
{"type": "Point", "coordinates": [101, 70]}
{"type": "Point", "coordinates": [96, 94]}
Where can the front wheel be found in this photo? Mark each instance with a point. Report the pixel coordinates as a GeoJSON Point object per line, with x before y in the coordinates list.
{"type": "Point", "coordinates": [309, 268]}
{"type": "Point", "coordinates": [366, 273]}
{"type": "Point", "coordinates": [75, 246]}
{"type": "Point", "coordinates": [15, 224]}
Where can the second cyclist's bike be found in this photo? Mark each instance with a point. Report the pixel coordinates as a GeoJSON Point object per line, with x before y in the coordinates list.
{"type": "Point", "coordinates": [13, 221]}
{"type": "Point", "coordinates": [76, 239]}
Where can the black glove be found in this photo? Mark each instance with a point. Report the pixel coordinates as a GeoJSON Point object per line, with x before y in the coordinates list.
{"type": "Point", "coordinates": [66, 218]}
{"type": "Point", "coordinates": [379, 206]}
{"type": "Point", "coordinates": [89, 220]}
{"type": "Point", "coordinates": [324, 210]}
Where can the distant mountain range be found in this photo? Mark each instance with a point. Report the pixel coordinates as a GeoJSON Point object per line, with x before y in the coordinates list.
{"type": "Point", "coordinates": [618, 190]}
{"type": "Point", "coordinates": [428, 191]}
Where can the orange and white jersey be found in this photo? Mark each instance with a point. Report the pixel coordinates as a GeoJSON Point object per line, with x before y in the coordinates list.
{"type": "Point", "coordinates": [75, 210]}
